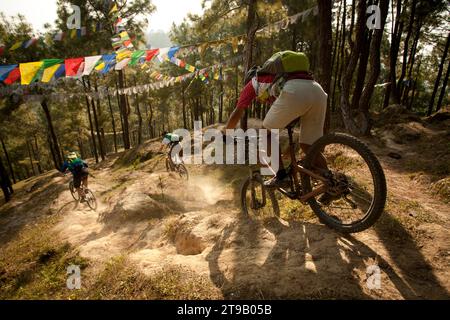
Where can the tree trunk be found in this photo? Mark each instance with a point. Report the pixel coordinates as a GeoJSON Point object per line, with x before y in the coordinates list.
{"type": "Point", "coordinates": [391, 89]}
{"type": "Point", "coordinates": [362, 70]}
{"type": "Point", "coordinates": [150, 120]}
{"type": "Point", "coordinates": [336, 41]}
{"type": "Point", "coordinates": [413, 94]}
{"type": "Point", "coordinates": [54, 141]}
{"type": "Point", "coordinates": [443, 90]}
{"type": "Point", "coordinates": [119, 104]}
{"type": "Point", "coordinates": [102, 131]}
{"type": "Point", "coordinates": [405, 52]}
{"type": "Point", "coordinates": [124, 112]}
{"type": "Point", "coordinates": [183, 100]}
{"type": "Point", "coordinates": [339, 55]}
{"type": "Point", "coordinates": [97, 127]}
{"type": "Point", "coordinates": [8, 160]}
{"type": "Point", "coordinates": [438, 79]}
{"type": "Point", "coordinates": [5, 183]}
{"type": "Point", "coordinates": [352, 62]}
{"type": "Point", "coordinates": [113, 121]}
{"type": "Point", "coordinates": [252, 27]}
{"type": "Point", "coordinates": [37, 154]}
{"type": "Point", "coordinates": [52, 151]}
{"type": "Point", "coordinates": [94, 144]}
{"type": "Point", "coordinates": [221, 98]}
{"type": "Point", "coordinates": [139, 115]}
{"type": "Point", "coordinates": [325, 49]}
{"type": "Point", "coordinates": [411, 61]}
{"type": "Point", "coordinates": [375, 67]}
{"type": "Point", "coordinates": [31, 158]}
{"type": "Point", "coordinates": [352, 24]}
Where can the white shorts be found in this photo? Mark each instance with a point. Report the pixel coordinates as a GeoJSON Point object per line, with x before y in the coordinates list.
{"type": "Point", "coordinates": [300, 98]}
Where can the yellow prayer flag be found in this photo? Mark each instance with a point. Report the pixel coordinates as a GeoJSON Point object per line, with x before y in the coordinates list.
{"type": "Point", "coordinates": [122, 55]}
{"type": "Point", "coordinates": [114, 9]}
{"type": "Point", "coordinates": [100, 66]}
{"type": "Point", "coordinates": [191, 68]}
{"type": "Point", "coordinates": [49, 72]}
{"type": "Point", "coordinates": [16, 45]}
{"type": "Point", "coordinates": [73, 33]}
{"type": "Point", "coordinates": [28, 71]}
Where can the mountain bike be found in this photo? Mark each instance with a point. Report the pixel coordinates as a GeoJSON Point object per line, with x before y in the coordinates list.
{"type": "Point", "coordinates": [89, 196]}
{"type": "Point", "coordinates": [176, 165]}
{"type": "Point", "coordinates": [354, 181]}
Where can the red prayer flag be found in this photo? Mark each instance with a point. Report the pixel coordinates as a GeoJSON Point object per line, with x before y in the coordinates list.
{"type": "Point", "coordinates": [151, 54]}
{"type": "Point", "coordinates": [13, 76]}
{"type": "Point", "coordinates": [72, 66]}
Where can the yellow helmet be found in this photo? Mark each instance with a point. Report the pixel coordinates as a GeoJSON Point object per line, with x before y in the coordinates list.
{"type": "Point", "coordinates": [71, 156]}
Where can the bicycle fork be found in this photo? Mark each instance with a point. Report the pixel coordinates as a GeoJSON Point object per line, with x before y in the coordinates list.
{"type": "Point", "coordinates": [255, 179]}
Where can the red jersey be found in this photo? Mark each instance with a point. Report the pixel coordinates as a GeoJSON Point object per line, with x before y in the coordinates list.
{"type": "Point", "coordinates": [259, 86]}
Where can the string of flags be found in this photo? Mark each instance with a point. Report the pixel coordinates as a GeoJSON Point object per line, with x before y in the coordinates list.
{"type": "Point", "coordinates": [103, 92]}
{"type": "Point", "coordinates": [49, 70]}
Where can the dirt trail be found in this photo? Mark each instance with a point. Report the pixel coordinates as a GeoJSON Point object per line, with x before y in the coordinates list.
{"type": "Point", "coordinates": [198, 225]}
{"type": "Point", "coordinates": [158, 220]}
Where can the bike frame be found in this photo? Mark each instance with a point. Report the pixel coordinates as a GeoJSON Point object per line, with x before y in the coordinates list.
{"type": "Point", "coordinates": [296, 171]}
{"type": "Point", "coordinates": [173, 166]}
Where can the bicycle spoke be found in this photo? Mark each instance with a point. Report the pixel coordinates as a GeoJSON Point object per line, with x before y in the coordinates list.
{"type": "Point", "coordinates": [352, 185]}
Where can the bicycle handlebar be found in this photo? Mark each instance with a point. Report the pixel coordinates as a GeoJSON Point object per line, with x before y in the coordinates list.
{"type": "Point", "coordinates": [246, 138]}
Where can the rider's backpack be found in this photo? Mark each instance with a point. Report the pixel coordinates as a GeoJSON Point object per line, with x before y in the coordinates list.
{"type": "Point", "coordinates": [77, 165]}
{"type": "Point", "coordinates": [285, 62]}
{"type": "Point", "coordinates": [281, 65]}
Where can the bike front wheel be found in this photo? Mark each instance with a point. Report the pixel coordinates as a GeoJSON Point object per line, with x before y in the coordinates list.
{"type": "Point", "coordinates": [73, 191]}
{"type": "Point", "coordinates": [257, 201]}
{"type": "Point", "coordinates": [182, 171]}
{"type": "Point", "coordinates": [357, 189]}
{"type": "Point", "coordinates": [90, 199]}
{"type": "Point", "coordinates": [168, 166]}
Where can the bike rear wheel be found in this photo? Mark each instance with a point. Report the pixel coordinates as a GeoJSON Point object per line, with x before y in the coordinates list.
{"type": "Point", "coordinates": [357, 190]}
{"type": "Point", "coordinates": [257, 201]}
{"type": "Point", "coordinates": [90, 199]}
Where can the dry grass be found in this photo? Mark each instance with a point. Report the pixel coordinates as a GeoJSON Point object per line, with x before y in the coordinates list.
{"type": "Point", "coordinates": [34, 266]}
{"type": "Point", "coordinates": [121, 280]}
{"type": "Point", "coordinates": [171, 227]}
{"type": "Point", "coordinates": [441, 188]}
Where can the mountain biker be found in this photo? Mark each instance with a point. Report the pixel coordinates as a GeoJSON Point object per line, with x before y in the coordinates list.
{"type": "Point", "coordinates": [292, 95]}
{"type": "Point", "coordinates": [79, 170]}
{"type": "Point", "coordinates": [172, 141]}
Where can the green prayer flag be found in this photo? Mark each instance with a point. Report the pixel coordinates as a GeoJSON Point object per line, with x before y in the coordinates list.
{"type": "Point", "coordinates": [135, 56]}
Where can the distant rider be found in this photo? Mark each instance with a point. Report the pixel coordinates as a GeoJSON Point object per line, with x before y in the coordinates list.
{"type": "Point", "coordinates": [79, 170]}
{"type": "Point", "coordinates": [172, 141]}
